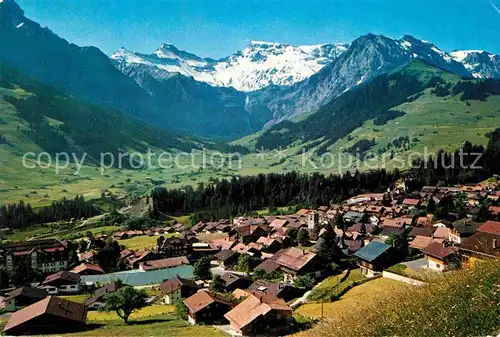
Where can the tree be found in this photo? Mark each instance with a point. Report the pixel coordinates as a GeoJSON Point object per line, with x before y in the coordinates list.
{"type": "Point", "coordinates": [339, 221]}
{"type": "Point", "coordinates": [244, 263]}
{"type": "Point", "coordinates": [292, 234]}
{"type": "Point", "coordinates": [121, 265]}
{"type": "Point", "coordinates": [125, 301]}
{"type": "Point", "coordinates": [303, 236]}
{"type": "Point", "coordinates": [461, 205]}
{"type": "Point", "coordinates": [431, 206]}
{"type": "Point", "coordinates": [181, 310]}
{"type": "Point", "coordinates": [387, 200]}
{"type": "Point", "coordinates": [4, 278]}
{"type": "Point", "coordinates": [484, 211]}
{"type": "Point", "coordinates": [259, 274]}
{"type": "Point", "coordinates": [399, 243]}
{"type": "Point", "coordinates": [305, 282]}
{"type": "Point", "coordinates": [315, 233]}
{"type": "Point", "coordinates": [160, 241]}
{"type": "Point", "coordinates": [202, 268]}
{"type": "Point", "coordinates": [217, 285]}
{"type": "Point", "coordinates": [327, 247]}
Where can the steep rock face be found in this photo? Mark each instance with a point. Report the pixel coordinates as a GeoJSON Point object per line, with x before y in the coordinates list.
{"type": "Point", "coordinates": [259, 65]}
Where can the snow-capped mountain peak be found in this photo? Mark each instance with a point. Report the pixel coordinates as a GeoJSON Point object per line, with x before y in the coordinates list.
{"type": "Point", "coordinates": [259, 65]}
{"type": "Point", "coordinates": [480, 63]}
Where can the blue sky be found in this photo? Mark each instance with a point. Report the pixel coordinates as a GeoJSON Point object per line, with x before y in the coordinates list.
{"type": "Point", "coordinates": [218, 28]}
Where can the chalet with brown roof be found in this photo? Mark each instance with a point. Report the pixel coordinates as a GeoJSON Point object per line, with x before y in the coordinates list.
{"type": "Point", "coordinates": [87, 269]}
{"type": "Point", "coordinates": [22, 297]}
{"type": "Point", "coordinates": [224, 228]}
{"type": "Point", "coordinates": [279, 290]}
{"type": "Point", "coordinates": [178, 227]}
{"type": "Point", "coordinates": [164, 263]}
{"type": "Point", "coordinates": [120, 235]}
{"type": "Point", "coordinates": [393, 223]}
{"type": "Point", "coordinates": [176, 289]}
{"type": "Point", "coordinates": [268, 265]}
{"type": "Point", "coordinates": [278, 223]}
{"type": "Point", "coordinates": [442, 233]}
{"type": "Point", "coordinates": [420, 242]}
{"type": "Point", "coordinates": [235, 281]}
{"type": "Point", "coordinates": [227, 258]}
{"type": "Point", "coordinates": [423, 221]}
{"type": "Point", "coordinates": [199, 227]}
{"type": "Point", "coordinates": [250, 233]}
{"type": "Point", "coordinates": [90, 257]}
{"type": "Point", "coordinates": [303, 211]}
{"type": "Point", "coordinates": [259, 315]}
{"type": "Point", "coordinates": [480, 246]}
{"type": "Point", "coordinates": [349, 247]}
{"type": "Point", "coordinates": [140, 256]}
{"type": "Point", "coordinates": [375, 209]}
{"type": "Point", "coordinates": [294, 262]}
{"type": "Point", "coordinates": [408, 202]}
{"type": "Point", "coordinates": [206, 307]}
{"type": "Point", "coordinates": [211, 227]}
{"type": "Point", "coordinates": [440, 257]}
{"type": "Point", "coordinates": [492, 227]}
{"type": "Point", "coordinates": [270, 245]}
{"type": "Point", "coordinates": [225, 243]}
{"type": "Point", "coordinates": [356, 228]}
{"type": "Point", "coordinates": [494, 210]}
{"type": "Point", "coordinates": [323, 208]}
{"type": "Point", "coordinates": [48, 316]}
{"type": "Point", "coordinates": [63, 282]}
{"type": "Point", "coordinates": [421, 231]}
{"type": "Point", "coordinates": [125, 253]}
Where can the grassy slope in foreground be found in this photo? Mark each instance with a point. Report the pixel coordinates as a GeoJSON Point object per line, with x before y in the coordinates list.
{"type": "Point", "coordinates": [461, 303]}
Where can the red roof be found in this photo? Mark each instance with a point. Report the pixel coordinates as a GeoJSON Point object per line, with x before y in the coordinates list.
{"type": "Point", "coordinates": [254, 307]}
{"type": "Point", "coordinates": [492, 227]}
{"type": "Point", "coordinates": [87, 266]}
{"type": "Point", "coordinates": [293, 258]}
{"type": "Point", "coordinates": [202, 299]}
{"type": "Point", "coordinates": [411, 202]}
{"type": "Point", "coordinates": [494, 210]}
{"type": "Point", "coordinates": [165, 263]}
{"type": "Point", "coordinates": [62, 276]}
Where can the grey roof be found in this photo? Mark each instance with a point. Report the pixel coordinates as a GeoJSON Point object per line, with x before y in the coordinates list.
{"type": "Point", "coordinates": [372, 251]}
{"type": "Point", "coordinates": [356, 216]}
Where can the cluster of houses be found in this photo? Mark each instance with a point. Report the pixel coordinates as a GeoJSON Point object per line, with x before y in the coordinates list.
{"type": "Point", "coordinates": [367, 221]}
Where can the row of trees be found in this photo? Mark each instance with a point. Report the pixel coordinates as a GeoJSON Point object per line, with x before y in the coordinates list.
{"type": "Point", "coordinates": [469, 164]}
{"type": "Point", "coordinates": [22, 215]}
{"type": "Point", "coordinates": [227, 198]}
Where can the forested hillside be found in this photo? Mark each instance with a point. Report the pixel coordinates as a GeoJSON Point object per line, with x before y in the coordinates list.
{"type": "Point", "coordinates": [60, 123]}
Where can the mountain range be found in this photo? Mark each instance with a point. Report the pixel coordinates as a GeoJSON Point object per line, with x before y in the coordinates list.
{"type": "Point", "coordinates": [259, 65]}
{"type": "Point", "coordinates": [252, 89]}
